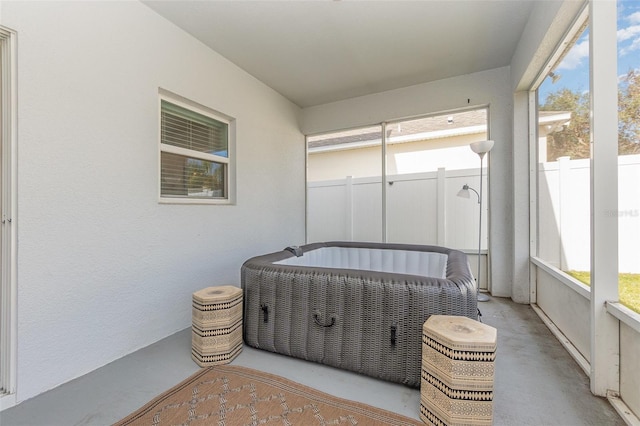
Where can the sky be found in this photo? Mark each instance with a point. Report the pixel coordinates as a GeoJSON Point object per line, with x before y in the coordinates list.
{"type": "Point", "coordinates": [574, 68]}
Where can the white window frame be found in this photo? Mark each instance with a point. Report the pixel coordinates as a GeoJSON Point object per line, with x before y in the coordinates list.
{"type": "Point", "coordinates": [8, 278]}
{"type": "Point", "coordinates": [228, 161]}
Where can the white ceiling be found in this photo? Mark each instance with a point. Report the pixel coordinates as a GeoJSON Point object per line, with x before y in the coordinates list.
{"type": "Point", "coordinates": [315, 52]}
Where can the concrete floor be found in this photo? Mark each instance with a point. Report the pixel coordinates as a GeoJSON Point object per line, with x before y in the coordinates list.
{"type": "Point", "coordinates": [537, 382]}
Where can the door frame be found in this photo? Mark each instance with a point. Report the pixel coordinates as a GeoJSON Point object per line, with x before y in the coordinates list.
{"type": "Point", "coordinates": [8, 222]}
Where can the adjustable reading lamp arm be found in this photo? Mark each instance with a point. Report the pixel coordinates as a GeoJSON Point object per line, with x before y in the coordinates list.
{"type": "Point", "coordinates": [467, 187]}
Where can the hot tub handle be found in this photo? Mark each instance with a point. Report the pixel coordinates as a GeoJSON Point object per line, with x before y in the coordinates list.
{"type": "Point", "coordinates": [316, 319]}
{"type": "Point", "coordinates": [394, 329]}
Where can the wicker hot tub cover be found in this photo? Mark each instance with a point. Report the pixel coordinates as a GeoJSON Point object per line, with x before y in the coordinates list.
{"type": "Point", "coordinates": [356, 306]}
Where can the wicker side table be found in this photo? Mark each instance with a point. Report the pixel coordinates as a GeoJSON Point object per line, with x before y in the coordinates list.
{"type": "Point", "coordinates": [456, 386]}
{"type": "Point", "coordinates": [216, 331]}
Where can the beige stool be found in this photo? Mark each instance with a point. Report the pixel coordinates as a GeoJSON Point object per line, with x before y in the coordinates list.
{"type": "Point", "coordinates": [456, 386]}
{"type": "Point", "coordinates": [216, 332]}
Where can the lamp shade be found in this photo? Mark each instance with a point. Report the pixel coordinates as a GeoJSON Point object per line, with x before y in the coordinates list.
{"type": "Point", "coordinates": [464, 193]}
{"type": "Point", "coordinates": [481, 147]}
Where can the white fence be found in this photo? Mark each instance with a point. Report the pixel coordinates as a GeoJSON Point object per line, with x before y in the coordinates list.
{"type": "Point", "coordinates": [423, 208]}
{"type": "Point", "coordinates": [564, 213]}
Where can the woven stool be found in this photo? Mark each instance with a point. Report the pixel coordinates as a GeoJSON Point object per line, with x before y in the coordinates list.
{"type": "Point", "coordinates": [216, 331]}
{"type": "Point", "coordinates": [456, 386]}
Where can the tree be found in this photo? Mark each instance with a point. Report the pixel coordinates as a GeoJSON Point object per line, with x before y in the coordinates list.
{"type": "Point", "coordinates": [573, 139]}
{"type": "Point", "coordinates": [629, 114]}
{"type": "Point", "coordinates": [199, 176]}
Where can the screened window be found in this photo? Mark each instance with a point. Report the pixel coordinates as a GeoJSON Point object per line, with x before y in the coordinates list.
{"type": "Point", "coordinates": [628, 211]}
{"type": "Point", "coordinates": [344, 186]}
{"type": "Point", "coordinates": [564, 168]}
{"type": "Point", "coordinates": [426, 161]}
{"type": "Point", "coordinates": [194, 154]}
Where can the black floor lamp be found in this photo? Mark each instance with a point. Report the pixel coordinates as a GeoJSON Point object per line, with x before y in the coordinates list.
{"type": "Point", "coordinates": [480, 148]}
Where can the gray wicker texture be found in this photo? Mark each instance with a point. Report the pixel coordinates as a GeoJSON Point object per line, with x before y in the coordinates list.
{"type": "Point", "coordinates": [363, 321]}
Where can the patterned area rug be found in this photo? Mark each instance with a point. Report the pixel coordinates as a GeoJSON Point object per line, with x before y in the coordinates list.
{"type": "Point", "coordinates": [229, 395]}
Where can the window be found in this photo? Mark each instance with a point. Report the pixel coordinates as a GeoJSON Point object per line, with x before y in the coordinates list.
{"type": "Point", "coordinates": [564, 160]}
{"type": "Point", "coordinates": [194, 153]}
{"type": "Point", "coordinates": [628, 211]}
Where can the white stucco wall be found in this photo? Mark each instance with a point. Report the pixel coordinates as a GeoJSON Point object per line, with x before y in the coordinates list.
{"type": "Point", "coordinates": [479, 89]}
{"type": "Point", "coordinates": [103, 268]}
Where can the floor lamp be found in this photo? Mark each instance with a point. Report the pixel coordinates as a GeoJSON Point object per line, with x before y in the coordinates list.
{"type": "Point", "coordinates": [480, 148]}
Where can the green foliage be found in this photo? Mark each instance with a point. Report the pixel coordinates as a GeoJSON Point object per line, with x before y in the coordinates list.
{"type": "Point", "coordinates": [199, 177]}
{"type": "Point", "coordinates": [582, 276]}
{"type": "Point", "coordinates": [573, 139]}
{"type": "Point", "coordinates": [629, 114]}
{"type": "Point", "coordinates": [628, 287]}
{"type": "Point", "coordinates": [630, 291]}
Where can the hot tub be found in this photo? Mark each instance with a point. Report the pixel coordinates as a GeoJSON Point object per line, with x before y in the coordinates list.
{"type": "Point", "coordinates": [356, 306]}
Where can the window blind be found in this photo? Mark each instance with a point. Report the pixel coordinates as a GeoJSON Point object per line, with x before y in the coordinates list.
{"type": "Point", "coordinates": [191, 172]}
{"type": "Point", "coordinates": [190, 130]}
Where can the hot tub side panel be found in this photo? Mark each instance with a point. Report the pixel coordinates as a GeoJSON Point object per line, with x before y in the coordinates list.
{"type": "Point", "coordinates": [359, 321]}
